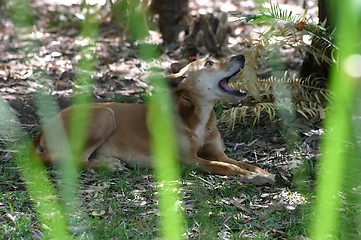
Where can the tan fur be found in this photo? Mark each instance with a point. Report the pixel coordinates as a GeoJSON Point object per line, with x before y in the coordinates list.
{"type": "Point", "coordinates": [118, 131]}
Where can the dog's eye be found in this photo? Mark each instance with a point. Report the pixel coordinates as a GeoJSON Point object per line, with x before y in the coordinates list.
{"type": "Point", "coordinates": [208, 63]}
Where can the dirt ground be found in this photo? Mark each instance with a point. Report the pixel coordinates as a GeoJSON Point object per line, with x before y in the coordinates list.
{"type": "Point", "coordinates": [44, 63]}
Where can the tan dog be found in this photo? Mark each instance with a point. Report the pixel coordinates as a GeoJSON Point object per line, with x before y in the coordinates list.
{"type": "Point", "coordinates": [118, 131]}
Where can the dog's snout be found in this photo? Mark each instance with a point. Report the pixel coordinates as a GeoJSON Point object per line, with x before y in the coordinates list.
{"type": "Point", "coordinates": [239, 58]}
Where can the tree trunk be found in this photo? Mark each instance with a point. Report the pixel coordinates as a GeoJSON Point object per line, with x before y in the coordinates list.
{"type": "Point", "coordinates": [173, 18]}
{"type": "Point", "coordinates": [310, 67]}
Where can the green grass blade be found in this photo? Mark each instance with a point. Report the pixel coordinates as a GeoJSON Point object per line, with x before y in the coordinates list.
{"type": "Point", "coordinates": [165, 160]}
{"type": "Point", "coordinates": [44, 198]}
{"type": "Point", "coordinates": [326, 220]}
{"type": "Point", "coordinates": [37, 181]}
{"type": "Point", "coordinates": [164, 151]}
{"type": "Point", "coordinates": [78, 122]}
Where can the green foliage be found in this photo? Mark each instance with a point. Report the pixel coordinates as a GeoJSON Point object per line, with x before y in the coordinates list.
{"type": "Point", "coordinates": [131, 17]}
{"type": "Point", "coordinates": [53, 215]}
{"type": "Point", "coordinates": [165, 159]}
{"type": "Point", "coordinates": [35, 177]}
{"type": "Point", "coordinates": [308, 98]}
{"type": "Point", "coordinates": [337, 206]}
{"type": "Point", "coordinates": [292, 28]}
{"type": "Point", "coordinates": [20, 14]}
{"type": "Point", "coordinates": [282, 95]}
{"type": "Point", "coordinates": [162, 135]}
{"type": "Point", "coordinates": [339, 173]}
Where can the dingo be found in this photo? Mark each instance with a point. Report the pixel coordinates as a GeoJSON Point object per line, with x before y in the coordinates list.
{"type": "Point", "coordinates": [118, 131]}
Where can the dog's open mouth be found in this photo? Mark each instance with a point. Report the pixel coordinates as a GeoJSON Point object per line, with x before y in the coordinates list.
{"type": "Point", "coordinates": [225, 87]}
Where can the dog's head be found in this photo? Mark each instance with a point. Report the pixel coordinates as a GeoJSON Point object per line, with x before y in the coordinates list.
{"type": "Point", "coordinates": [208, 78]}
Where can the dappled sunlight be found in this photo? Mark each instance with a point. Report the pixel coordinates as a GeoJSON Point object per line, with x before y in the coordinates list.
{"type": "Point", "coordinates": [123, 203]}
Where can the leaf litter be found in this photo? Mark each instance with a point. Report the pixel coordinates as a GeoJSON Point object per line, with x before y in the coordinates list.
{"type": "Point", "coordinates": [120, 74]}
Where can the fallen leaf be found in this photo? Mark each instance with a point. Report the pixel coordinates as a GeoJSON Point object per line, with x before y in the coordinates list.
{"type": "Point", "coordinates": [96, 213]}
{"type": "Point", "coordinates": [110, 210]}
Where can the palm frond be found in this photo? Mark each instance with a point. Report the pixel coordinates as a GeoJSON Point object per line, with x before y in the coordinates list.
{"type": "Point", "coordinates": [248, 76]}
{"type": "Point", "coordinates": [253, 114]}
{"type": "Point", "coordinates": [277, 13]}
{"type": "Point", "coordinates": [292, 27]}
{"type": "Point", "coordinates": [308, 89]}
{"type": "Point", "coordinates": [308, 99]}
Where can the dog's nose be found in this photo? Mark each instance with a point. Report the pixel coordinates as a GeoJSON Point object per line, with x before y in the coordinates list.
{"type": "Point", "coordinates": [239, 58]}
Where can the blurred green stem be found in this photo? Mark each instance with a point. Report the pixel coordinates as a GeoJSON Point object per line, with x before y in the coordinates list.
{"type": "Point", "coordinates": [326, 219]}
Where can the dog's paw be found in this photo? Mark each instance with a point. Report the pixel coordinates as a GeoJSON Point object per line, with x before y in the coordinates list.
{"type": "Point", "coordinates": [259, 179]}
{"type": "Point", "coordinates": [117, 166]}
{"type": "Point", "coordinates": [112, 164]}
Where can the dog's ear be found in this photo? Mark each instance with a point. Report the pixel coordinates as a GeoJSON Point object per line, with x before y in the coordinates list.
{"type": "Point", "coordinates": [176, 67]}
{"type": "Point", "coordinates": [175, 79]}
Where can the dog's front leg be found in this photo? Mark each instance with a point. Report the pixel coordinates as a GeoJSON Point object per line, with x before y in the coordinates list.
{"type": "Point", "coordinates": [224, 158]}
{"type": "Point", "coordinates": [214, 151]}
{"type": "Point", "coordinates": [259, 176]}
{"type": "Point", "coordinates": [229, 169]}
{"type": "Point", "coordinates": [219, 168]}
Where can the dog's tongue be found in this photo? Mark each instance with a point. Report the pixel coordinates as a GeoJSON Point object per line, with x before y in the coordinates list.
{"type": "Point", "coordinates": [224, 84]}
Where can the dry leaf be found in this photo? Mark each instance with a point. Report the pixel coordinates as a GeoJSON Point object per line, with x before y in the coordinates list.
{"type": "Point", "coordinates": [96, 213]}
